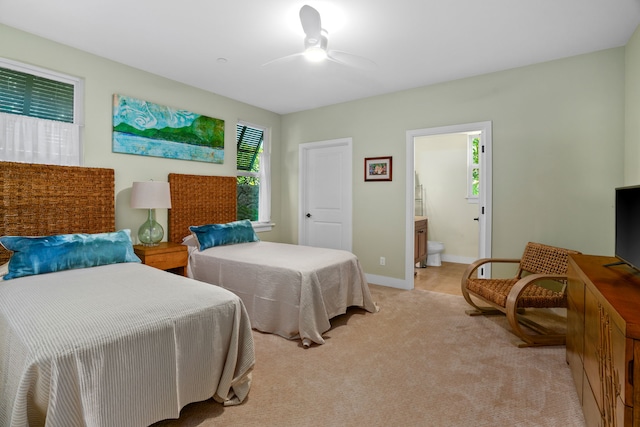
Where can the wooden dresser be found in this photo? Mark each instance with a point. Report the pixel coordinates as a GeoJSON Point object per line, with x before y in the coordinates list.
{"type": "Point", "coordinates": [420, 245]}
{"type": "Point", "coordinates": [603, 339]}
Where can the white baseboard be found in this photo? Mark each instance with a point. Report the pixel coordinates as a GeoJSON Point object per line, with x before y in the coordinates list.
{"type": "Point", "coordinates": [457, 259]}
{"type": "Point", "coordinates": [388, 281]}
{"type": "Point", "coordinates": [408, 284]}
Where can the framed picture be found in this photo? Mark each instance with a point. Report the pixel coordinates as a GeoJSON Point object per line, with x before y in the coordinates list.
{"type": "Point", "coordinates": [377, 168]}
{"type": "Point", "coordinates": [148, 129]}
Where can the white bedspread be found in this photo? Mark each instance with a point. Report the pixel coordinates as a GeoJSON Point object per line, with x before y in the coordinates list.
{"type": "Point", "coordinates": [118, 345]}
{"type": "Point", "coordinates": [289, 290]}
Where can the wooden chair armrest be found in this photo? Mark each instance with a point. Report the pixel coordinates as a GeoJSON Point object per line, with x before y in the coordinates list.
{"type": "Point", "coordinates": [522, 284]}
{"type": "Point", "coordinates": [512, 308]}
{"type": "Point", "coordinates": [473, 267]}
{"type": "Point", "coordinates": [470, 270]}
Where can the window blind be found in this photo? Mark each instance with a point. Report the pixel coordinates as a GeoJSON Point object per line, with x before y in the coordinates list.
{"type": "Point", "coordinates": [35, 96]}
{"type": "Point", "coordinates": [249, 142]}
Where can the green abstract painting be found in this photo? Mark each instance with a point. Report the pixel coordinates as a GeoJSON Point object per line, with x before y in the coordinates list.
{"type": "Point", "coordinates": [148, 129]}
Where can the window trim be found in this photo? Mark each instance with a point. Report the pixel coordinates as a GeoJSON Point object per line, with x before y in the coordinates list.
{"type": "Point", "coordinates": [78, 84]}
{"type": "Point", "coordinates": [78, 94]}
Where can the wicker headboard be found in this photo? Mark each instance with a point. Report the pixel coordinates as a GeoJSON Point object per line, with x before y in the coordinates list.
{"type": "Point", "coordinates": [198, 200]}
{"type": "Point", "coordinates": [40, 200]}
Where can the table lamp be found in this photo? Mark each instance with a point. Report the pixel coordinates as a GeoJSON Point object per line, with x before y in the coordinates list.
{"type": "Point", "coordinates": [150, 195]}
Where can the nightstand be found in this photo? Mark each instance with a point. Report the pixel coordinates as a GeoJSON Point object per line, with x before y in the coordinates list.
{"type": "Point", "coordinates": [166, 256]}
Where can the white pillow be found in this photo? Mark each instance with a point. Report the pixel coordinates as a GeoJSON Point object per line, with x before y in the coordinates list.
{"type": "Point", "coordinates": [190, 240]}
{"type": "Point", "coordinates": [4, 269]}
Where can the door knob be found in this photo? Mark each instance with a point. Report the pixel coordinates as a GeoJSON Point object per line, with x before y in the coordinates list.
{"type": "Point", "coordinates": [476, 218]}
{"type": "Point", "coordinates": [308, 215]}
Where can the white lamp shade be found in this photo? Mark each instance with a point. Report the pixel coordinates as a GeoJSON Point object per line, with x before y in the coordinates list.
{"type": "Point", "coordinates": [150, 195]}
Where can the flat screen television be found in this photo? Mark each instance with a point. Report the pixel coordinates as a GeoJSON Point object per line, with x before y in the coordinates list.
{"type": "Point", "coordinates": [627, 237]}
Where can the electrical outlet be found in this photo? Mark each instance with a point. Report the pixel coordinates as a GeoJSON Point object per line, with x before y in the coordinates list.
{"type": "Point", "coordinates": [383, 261]}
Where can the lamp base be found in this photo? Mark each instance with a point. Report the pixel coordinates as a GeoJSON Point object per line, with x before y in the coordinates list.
{"type": "Point", "coordinates": [151, 232]}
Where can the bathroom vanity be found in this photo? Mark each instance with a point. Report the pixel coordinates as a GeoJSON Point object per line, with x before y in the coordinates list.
{"type": "Point", "coordinates": [420, 244]}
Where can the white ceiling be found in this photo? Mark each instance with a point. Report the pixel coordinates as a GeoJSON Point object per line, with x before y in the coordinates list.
{"type": "Point", "coordinates": [413, 42]}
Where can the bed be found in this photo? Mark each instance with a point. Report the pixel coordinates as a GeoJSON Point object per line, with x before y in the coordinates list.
{"type": "Point", "coordinates": [289, 290]}
{"type": "Point", "coordinates": [112, 344]}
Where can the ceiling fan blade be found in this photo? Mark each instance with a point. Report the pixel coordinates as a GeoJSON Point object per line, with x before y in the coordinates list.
{"type": "Point", "coordinates": [311, 24]}
{"type": "Point", "coordinates": [351, 60]}
{"type": "Point", "coordinates": [282, 59]}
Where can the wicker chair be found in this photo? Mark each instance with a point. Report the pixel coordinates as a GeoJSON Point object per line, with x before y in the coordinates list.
{"type": "Point", "coordinates": [512, 296]}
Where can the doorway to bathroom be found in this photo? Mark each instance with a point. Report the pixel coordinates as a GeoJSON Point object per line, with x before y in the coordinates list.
{"type": "Point", "coordinates": [450, 184]}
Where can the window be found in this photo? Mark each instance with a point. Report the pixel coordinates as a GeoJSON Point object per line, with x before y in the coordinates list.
{"type": "Point", "coordinates": [473, 167]}
{"type": "Point", "coordinates": [253, 166]}
{"type": "Point", "coordinates": [39, 115]}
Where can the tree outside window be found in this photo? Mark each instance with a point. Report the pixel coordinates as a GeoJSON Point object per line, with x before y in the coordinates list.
{"type": "Point", "coordinates": [473, 162]}
{"type": "Point", "coordinates": [475, 173]}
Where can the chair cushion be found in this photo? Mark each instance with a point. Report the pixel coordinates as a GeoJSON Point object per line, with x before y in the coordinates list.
{"type": "Point", "coordinates": [534, 296]}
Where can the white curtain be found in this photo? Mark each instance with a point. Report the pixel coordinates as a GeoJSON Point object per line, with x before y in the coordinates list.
{"type": "Point", "coordinates": [264, 200]}
{"type": "Point", "coordinates": [32, 140]}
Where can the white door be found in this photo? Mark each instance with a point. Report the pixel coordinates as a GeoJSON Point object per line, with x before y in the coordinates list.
{"type": "Point", "coordinates": [325, 186]}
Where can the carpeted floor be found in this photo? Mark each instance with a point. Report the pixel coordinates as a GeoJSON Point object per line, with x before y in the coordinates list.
{"type": "Point", "coordinates": [420, 361]}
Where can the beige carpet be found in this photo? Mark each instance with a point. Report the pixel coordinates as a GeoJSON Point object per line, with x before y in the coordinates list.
{"type": "Point", "coordinates": [420, 361]}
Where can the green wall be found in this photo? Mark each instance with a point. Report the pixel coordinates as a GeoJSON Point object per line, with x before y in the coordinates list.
{"type": "Point", "coordinates": [558, 139]}
{"type": "Point", "coordinates": [104, 78]}
{"type": "Point", "coordinates": [632, 111]}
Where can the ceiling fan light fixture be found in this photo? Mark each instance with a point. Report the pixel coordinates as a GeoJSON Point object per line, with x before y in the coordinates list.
{"type": "Point", "coordinates": [315, 54]}
{"type": "Point", "coordinates": [316, 47]}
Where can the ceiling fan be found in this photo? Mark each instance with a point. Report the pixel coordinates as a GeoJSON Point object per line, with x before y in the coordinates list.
{"type": "Point", "coordinates": [316, 41]}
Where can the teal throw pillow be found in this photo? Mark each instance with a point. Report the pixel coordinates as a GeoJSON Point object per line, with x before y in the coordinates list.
{"type": "Point", "coordinates": [46, 254]}
{"type": "Point", "coordinates": [211, 235]}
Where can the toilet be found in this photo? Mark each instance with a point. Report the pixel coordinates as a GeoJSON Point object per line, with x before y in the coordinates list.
{"type": "Point", "coordinates": [434, 249]}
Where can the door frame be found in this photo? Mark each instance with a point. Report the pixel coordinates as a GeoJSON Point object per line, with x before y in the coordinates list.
{"type": "Point", "coordinates": [484, 201]}
{"type": "Point", "coordinates": [348, 189]}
